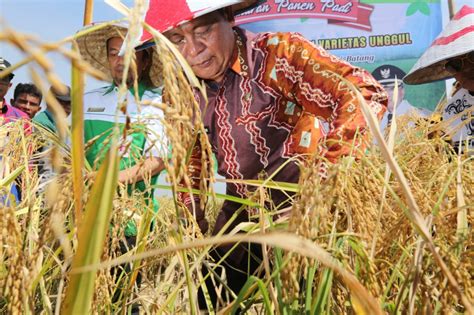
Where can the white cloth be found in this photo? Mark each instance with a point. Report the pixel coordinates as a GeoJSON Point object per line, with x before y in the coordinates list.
{"type": "Point", "coordinates": [459, 113]}
{"type": "Point", "coordinates": [100, 114]}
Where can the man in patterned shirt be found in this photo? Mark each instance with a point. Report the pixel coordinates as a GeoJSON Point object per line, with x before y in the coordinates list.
{"type": "Point", "coordinates": [270, 97]}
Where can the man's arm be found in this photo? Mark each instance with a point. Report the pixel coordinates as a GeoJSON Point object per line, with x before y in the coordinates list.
{"type": "Point", "coordinates": [149, 167]}
{"type": "Point", "coordinates": [311, 78]}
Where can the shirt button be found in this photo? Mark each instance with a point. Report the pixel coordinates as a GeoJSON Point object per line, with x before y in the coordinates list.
{"type": "Point", "coordinates": [248, 96]}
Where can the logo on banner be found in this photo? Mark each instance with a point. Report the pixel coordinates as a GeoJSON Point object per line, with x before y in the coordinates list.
{"type": "Point", "coordinates": [385, 73]}
{"type": "Point", "coordinates": [349, 13]}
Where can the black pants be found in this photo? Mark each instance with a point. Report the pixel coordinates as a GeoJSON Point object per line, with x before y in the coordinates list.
{"type": "Point", "coordinates": [237, 272]}
{"type": "Point", "coordinates": [122, 271]}
{"type": "Point", "coordinates": [244, 260]}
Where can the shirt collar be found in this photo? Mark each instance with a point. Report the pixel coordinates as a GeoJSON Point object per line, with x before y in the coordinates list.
{"type": "Point", "coordinates": [49, 115]}
{"type": "Point", "coordinates": [240, 64]}
{"type": "Point", "coordinates": [236, 66]}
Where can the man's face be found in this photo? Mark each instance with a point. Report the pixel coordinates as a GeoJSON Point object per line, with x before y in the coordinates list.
{"type": "Point", "coordinates": [466, 77]}
{"type": "Point", "coordinates": [462, 68]}
{"type": "Point", "coordinates": [5, 84]}
{"type": "Point", "coordinates": [207, 43]}
{"type": "Point", "coordinates": [116, 62]}
{"type": "Point", "coordinates": [66, 106]}
{"type": "Point", "coordinates": [27, 103]}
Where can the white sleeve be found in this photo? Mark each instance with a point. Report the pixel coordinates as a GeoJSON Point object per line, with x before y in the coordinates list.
{"type": "Point", "coordinates": [156, 142]}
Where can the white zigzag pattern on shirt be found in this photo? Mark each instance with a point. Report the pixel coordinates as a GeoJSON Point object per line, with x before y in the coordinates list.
{"type": "Point", "coordinates": [228, 144]}
{"type": "Point", "coordinates": [314, 95]}
{"type": "Point", "coordinates": [255, 133]}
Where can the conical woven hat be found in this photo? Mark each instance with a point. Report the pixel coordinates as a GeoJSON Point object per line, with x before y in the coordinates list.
{"type": "Point", "coordinates": [455, 40]}
{"type": "Point", "coordinates": [92, 47]}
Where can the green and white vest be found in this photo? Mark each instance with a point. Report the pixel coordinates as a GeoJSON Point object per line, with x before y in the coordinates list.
{"type": "Point", "coordinates": [144, 137]}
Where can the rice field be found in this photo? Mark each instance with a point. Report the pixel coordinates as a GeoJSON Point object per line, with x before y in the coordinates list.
{"type": "Point", "coordinates": [390, 232]}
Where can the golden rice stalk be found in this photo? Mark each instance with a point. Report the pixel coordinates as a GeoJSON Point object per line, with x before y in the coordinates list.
{"type": "Point", "coordinates": [390, 145]}
{"type": "Point", "coordinates": [413, 210]}
{"type": "Point", "coordinates": [462, 223]}
{"type": "Point", "coordinates": [77, 136]}
{"type": "Point", "coordinates": [183, 133]}
{"type": "Point", "coordinates": [284, 241]}
{"type": "Point", "coordinates": [15, 281]}
{"type": "Point", "coordinates": [91, 236]}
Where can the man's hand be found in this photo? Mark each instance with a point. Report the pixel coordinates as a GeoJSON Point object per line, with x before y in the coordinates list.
{"type": "Point", "coordinates": [150, 167]}
{"type": "Point", "coordinates": [203, 225]}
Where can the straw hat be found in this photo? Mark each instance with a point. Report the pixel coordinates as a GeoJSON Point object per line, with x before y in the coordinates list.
{"type": "Point", "coordinates": [455, 40]}
{"type": "Point", "coordinates": [92, 47]}
{"type": "Point", "coordinates": [163, 15]}
{"type": "Point", "coordinates": [62, 94]}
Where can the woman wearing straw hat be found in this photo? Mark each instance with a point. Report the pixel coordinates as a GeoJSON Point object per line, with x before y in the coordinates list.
{"type": "Point", "coordinates": [451, 55]}
{"type": "Point", "coordinates": [268, 96]}
{"type": "Point", "coordinates": [145, 144]}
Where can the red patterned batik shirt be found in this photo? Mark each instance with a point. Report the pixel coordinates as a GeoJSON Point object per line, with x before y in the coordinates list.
{"type": "Point", "coordinates": [283, 96]}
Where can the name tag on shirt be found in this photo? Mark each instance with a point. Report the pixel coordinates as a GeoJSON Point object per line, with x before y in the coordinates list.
{"type": "Point", "coordinates": [96, 109]}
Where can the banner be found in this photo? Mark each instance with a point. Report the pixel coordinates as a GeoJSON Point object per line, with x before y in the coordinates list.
{"type": "Point", "coordinates": [378, 35]}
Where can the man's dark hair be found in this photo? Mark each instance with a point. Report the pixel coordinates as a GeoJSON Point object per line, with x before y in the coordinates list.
{"type": "Point", "coordinates": [27, 88]}
{"type": "Point", "coordinates": [227, 13]}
